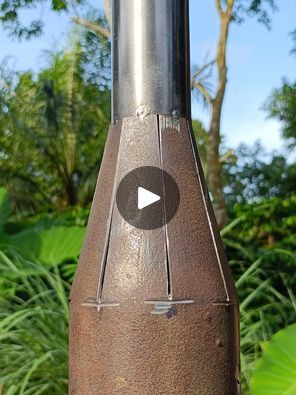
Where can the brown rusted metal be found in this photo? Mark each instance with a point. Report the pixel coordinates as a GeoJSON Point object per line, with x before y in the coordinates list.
{"type": "Point", "coordinates": [153, 311]}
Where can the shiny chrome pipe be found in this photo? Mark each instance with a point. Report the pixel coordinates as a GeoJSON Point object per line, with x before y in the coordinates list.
{"type": "Point", "coordinates": [151, 65]}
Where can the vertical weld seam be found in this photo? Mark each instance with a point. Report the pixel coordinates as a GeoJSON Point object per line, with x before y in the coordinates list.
{"type": "Point", "coordinates": [207, 214]}
{"type": "Point", "coordinates": [167, 254]}
{"type": "Point", "coordinates": [109, 227]}
{"type": "Point", "coordinates": [104, 261]}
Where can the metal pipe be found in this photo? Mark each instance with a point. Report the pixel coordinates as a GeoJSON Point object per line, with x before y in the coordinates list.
{"type": "Point", "coordinates": [151, 65]}
{"type": "Point", "coordinates": [153, 305]}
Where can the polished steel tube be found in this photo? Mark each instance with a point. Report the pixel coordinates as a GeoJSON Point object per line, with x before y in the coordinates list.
{"type": "Point", "coordinates": [150, 52]}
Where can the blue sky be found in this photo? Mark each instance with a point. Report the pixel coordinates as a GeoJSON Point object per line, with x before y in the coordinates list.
{"type": "Point", "coordinates": [258, 60]}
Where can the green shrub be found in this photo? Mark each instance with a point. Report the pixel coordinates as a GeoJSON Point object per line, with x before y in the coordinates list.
{"type": "Point", "coordinates": [34, 328]}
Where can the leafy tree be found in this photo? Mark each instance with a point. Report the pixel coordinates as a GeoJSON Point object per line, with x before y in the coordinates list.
{"type": "Point", "coordinates": [281, 105]}
{"type": "Point", "coordinates": [270, 224]}
{"type": "Point", "coordinates": [10, 16]}
{"type": "Point", "coordinates": [253, 175]}
{"type": "Point", "coordinates": [53, 131]}
{"type": "Point", "coordinates": [228, 11]}
{"type": "Point", "coordinates": [12, 21]}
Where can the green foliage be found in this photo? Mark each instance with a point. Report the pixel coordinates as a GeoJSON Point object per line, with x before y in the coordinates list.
{"type": "Point", "coordinates": [266, 232]}
{"type": "Point", "coordinates": [43, 239]}
{"type": "Point", "coordinates": [259, 9]}
{"type": "Point", "coordinates": [263, 311]}
{"type": "Point", "coordinates": [267, 302]}
{"type": "Point", "coordinates": [250, 174]}
{"type": "Point", "coordinates": [34, 326]}
{"type": "Point", "coordinates": [59, 5]}
{"type": "Point", "coordinates": [259, 245]}
{"type": "Point", "coordinates": [49, 246]}
{"type": "Point", "coordinates": [11, 10]}
{"type": "Point", "coordinates": [281, 105]}
{"type": "Point", "coordinates": [270, 224]}
{"type": "Point", "coordinates": [70, 216]}
{"type": "Point", "coordinates": [275, 371]}
{"type": "Point", "coordinates": [4, 207]}
{"type": "Point", "coordinates": [28, 288]}
{"type": "Point", "coordinates": [96, 58]}
{"type": "Point", "coordinates": [254, 175]}
{"type": "Point", "coordinates": [54, 129]}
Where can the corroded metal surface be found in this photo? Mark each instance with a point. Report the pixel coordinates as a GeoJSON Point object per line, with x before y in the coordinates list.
{"type": "Point", "coordinates": [153, 311]}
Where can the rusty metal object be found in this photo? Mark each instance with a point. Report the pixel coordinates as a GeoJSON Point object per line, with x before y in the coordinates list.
{"type": "Point", "coordinates": [153, 311]}
{"type": "Point", "coordinates": [117, 344]}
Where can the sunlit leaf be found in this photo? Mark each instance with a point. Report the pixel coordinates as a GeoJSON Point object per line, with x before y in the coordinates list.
{"type": "Point", "coordinates": [275, 372]}
{"type": "Point", "coordinates": [49, 246]}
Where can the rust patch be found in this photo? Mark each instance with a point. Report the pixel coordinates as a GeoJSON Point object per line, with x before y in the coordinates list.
{"type": "Point", "coordinates": [178, 272]}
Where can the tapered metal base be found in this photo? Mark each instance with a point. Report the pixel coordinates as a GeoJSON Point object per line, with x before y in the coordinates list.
{"type": "Point", "coordinates": [153, 311]}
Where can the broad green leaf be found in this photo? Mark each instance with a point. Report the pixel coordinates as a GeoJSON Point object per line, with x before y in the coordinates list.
{"type": "Point", "coordinates": [49, 246]}
{"type": "Point", "coordinates": [275, 371]}
{"type": "Point", "coordinates": [4, 207]}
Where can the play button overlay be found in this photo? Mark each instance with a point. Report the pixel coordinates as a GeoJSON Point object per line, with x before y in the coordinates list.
{"type": "Point", "coordinates": [147, 197]}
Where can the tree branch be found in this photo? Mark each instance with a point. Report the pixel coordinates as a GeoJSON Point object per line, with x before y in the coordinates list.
{"type": "Point", "coordinates": [107, 6]}
{"type": "Point", "coordinates": [229, 8]}
{"type": "Point", "coordinates": [219, 8]}
{"type": "Point", "coordinates": [197, 85]}
{"type": "Point", "coordinates": [203, 68]}
{"type": "Point", "coordinates": [92, 26]}
{"type": "Point", "coordinates": [228, 155]}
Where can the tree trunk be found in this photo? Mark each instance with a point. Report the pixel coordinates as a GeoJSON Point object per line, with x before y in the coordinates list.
{"type": "Point", "coordinates": [71, 192]}
{"type": "Point", "coordinates": [214, 168]}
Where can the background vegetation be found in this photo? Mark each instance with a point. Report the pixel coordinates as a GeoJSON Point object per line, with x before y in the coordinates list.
{"type": "Point", "coordinates": [53, 126]}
